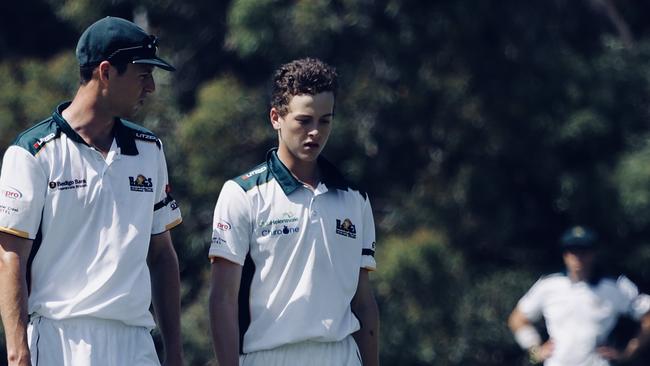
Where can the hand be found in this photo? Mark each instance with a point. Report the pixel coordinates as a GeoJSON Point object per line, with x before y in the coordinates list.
{"type": "Point", "coordinates": [539, 354]}
{"type": "Point", "coordinates": [609, 353]}
{"type": "Point", "coordinates": [21, 357]}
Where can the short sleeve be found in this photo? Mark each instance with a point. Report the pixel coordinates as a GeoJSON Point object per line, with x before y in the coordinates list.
{"type": "Point", "coordinates": [166, 213]}
{"type": "Point", "coordinates": [23, 186]}
{"type": "Point", "coordinates": [636, 304]}
{"type": "Point", "coordinates": [531, 303]}
{"type": "Point", "coordinates": [231, 226]}
{"type": "Point", "coordinates": [369, 241]}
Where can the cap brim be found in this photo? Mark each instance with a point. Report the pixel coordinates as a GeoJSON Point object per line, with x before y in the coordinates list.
{"type": "Point", "coordinates": [156, 62]}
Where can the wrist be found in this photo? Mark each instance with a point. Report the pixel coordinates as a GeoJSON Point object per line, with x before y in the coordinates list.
{"type": "Point", "coordinates": [534, 354]}
{"type": "Point", "coordinates": [527, 337]}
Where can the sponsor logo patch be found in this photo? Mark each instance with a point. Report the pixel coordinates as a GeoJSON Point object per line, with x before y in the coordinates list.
{"type": "Point", "coordinates": [285, 218]}
{"type": "Point", "coordinates": [144, 136]}
{"type": "Point", "coordinates": [254, 172]}
{"type": "Point", "coordinates": [346, 228]}
{"type": "Point", "coordinates": [284, 231]}
{"type": "Point", "coordinates": [63, 185]}
{"type": "Point", "coordinates": [44, 140]}
{"type": "Point", "coordinates": [141, 184]}
{"type": "Point", "coordinates": [223, 225]}
{"type": "Point", "coordinates": [11, 193]}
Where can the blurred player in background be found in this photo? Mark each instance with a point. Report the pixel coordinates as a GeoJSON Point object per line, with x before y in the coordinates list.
{"type": "Point", "coordinates": [580, 308]}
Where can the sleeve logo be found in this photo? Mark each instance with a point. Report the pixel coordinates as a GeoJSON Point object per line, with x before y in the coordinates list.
{"type": "Point", "coordinates": [222, 225]}
{"type": "Point", "coordinates": [11, 193]}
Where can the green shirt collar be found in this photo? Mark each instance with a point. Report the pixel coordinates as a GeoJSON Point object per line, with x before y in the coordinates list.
{"type": "Point", "coordinates": [123, 136]}
{"type": "Point", "coordinates": [331, 177]}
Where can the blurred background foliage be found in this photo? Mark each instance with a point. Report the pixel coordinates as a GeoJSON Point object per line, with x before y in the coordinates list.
{"type": "Point", "coordinates": [480, 129]}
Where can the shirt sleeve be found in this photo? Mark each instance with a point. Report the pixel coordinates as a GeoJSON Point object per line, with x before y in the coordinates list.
{"type": "Point", "coordinates": [166, 213]}
{"type": "Point", "coordinates": [369, 240]}
{"type": "Point", "coordinates": [23, 186]}
{"type": "Point", "coordinates": [636, 304]}
{"type": "Point", "coordinates": [531, 303]}
{"type": "Point", "coordinates": [231, 226]}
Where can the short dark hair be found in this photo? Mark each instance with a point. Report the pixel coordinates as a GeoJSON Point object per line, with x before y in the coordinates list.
{"type": "Point", "coordinates": [303, 76]}
{"type": "Point", "coordinates": [86, 72]}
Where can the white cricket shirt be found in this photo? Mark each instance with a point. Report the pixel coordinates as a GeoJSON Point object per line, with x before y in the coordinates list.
{"type": "Point", "coordinates": [305, 251]}
{"type": "Point", "coordinates": [579, 316]}
{"type": "Point", "coordinates": [91, 218]}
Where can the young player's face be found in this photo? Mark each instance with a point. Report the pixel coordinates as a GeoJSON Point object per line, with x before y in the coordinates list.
{"type": "Point", "coordinates": [579, 260]}
{"type": "Point", "coordinates": [304, 130]}
{"type": "Point", "coordinates": [129, 90]}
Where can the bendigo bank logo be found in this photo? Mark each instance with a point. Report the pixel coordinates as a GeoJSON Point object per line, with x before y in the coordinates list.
{"type": "Point", "coordinates": [346, 228]}
{"type": "Point", "coordinates": [141, 184]}
{"type": "Point", "coordinates": [63, 185]}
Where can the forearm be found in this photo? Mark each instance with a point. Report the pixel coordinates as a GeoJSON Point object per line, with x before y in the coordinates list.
{"type": "Point", "coordinates": [225, 328]}
{"type": "Point", "coordinates": [641, 341]}
{"type": "Point", "coordinates": [13, 307]}
{"type": "Point", "coordinates": [165, 282]}
{"type": "Point", "coordinates": [367, 337]}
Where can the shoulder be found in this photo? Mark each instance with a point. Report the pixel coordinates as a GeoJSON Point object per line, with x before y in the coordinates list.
{"type": "Point", "coordinates": [552, 279]}
{"type": "Point", "coordinates": [335, 179]}
{"type": "Point", "coordinates": [140, 133]}
{"type": "Point", "coordinates": [254, 177]}
{"type": "Point", "coordinates": [34, 138]}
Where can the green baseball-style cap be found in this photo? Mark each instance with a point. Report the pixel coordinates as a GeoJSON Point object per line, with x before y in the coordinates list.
{"type": "Point", "coordinates": [578, 237]}
{"type": "Point", "coordinates": [118, 41]}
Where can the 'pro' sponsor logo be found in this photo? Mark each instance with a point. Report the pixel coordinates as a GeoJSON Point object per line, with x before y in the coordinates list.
{"type": "Point", "coordinates": [222, 225]}
{"type": "Point", "coordinates": [11, 193]}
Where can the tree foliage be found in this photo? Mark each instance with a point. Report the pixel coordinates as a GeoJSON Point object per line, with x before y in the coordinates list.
{"type": "Point", "coordinates": [480, 129]}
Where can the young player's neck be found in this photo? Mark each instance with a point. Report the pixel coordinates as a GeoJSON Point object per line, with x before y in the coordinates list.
{"type": "Point", "coordinates": [93, 123]}
{"type": "Point", "coordinates": [304, 171]}
{"type": "Point", "coordinates": [579, 276]}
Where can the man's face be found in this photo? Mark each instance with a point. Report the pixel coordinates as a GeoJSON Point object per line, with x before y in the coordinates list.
{"type": "Point", "coordinates": [304, 130]}
{"type": "Point", "coordinates": [579, 260]}
{"type": "Point", "coordinates": [128, 91]}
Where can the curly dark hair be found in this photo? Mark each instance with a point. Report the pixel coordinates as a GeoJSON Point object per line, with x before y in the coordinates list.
{"type": "Point", "coordinates": [303, 76]}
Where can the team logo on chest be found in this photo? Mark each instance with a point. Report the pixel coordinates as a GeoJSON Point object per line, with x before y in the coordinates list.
{"type": "Point", "coordinates": [141, 184]}
{"type": "Point", "coordinates": [346, 228]}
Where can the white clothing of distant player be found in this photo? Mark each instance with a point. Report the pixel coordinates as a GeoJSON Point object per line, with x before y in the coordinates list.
{"type": "Point", "coordinates": [579, 316]}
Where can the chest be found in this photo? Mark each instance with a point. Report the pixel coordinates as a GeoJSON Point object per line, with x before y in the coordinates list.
{"type": "Point", "coordinates": [329, 223]}
{"type": "Point", "coordinates": [581, 301]}
{"type": "Point", "coordinates": [79, 178]}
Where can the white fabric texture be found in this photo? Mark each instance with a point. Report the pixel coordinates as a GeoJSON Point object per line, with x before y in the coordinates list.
{"type": "Point", "coordinates": [89, 342]}
{"type": "Point", "coordinates": [342, 353]}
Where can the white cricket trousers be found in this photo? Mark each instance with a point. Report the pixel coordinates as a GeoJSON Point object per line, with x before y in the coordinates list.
{"type": "Point", "coordinates": [89, 342]}
{"type": "Point", "coordinates": [342, 353]}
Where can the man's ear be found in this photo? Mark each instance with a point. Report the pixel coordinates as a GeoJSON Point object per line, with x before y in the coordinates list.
{"type": "Point", "coordinates": [104, 69]}
{"type": "Point", "coordinates": [275, 118]}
